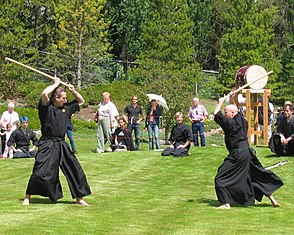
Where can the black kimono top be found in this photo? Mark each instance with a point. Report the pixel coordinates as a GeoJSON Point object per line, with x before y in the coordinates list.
{"type": "Point", "coordinates": [235, 129]}
{"type": "Point", "coordinates": [180, 133]}
{"type": "Point", "coordinates": [21, 139]}
{"type": "Point", "coordinates": [286, 127]}
{"type": "Point", "coordinates": [54, 119]}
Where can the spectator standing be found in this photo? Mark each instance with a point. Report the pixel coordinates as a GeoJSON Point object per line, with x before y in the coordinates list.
{"type": "Point", "coordinates": [70, 128]}
{"type": "Point", "coordinates": [133, 113]}
{"type": "Point", "coordinates": [9, 116]}
{"type": "Point", "coordinates": [106, 117]}
{"type": "Point", "coordinates": [153, 115]}
{"type": "Point", "coordinates": [8, 152]}
{"type": "Point", "coordinates": [197, 115]}
{"type": "Point", "coordinates": [22, 138]}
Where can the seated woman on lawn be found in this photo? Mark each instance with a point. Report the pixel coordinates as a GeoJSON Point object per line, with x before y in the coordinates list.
{"type": "Point", "coordinates": [122, 138]}
{"type": "Point", "coordinates": [180, 139]}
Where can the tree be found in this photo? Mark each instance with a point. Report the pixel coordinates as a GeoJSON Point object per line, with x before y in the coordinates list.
{"type": "Point", "coordinates": [23, 29]}
{"type": "Point", "coordinates": [126, 18]}
{"type": "Point", "coordinates": [247, 39]}
{"type": "Point", "coordinates": [81, 45]}
{"type": "Point", "coordinates": [284, 28]}
{"type": "Point", "coordinates": [166, 62]}
{"type": "Point", "coordinates": [204, 33]}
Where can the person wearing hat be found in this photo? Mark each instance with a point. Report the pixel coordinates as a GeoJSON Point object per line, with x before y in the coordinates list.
{"type": "Point", "coordinates": [20, 140]}
{"type": "Point", "coordinates": [8, 117]}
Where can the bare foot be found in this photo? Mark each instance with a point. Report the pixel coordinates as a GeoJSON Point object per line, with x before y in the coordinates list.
{"type": "Point", "coordinates": [273, 201]}
{"type": "Point", "coordinates": [224, 206]}
{"type": "Point", "coordinates": [81, 202]}
{"type": "Point", "coordinates": [26, 201]}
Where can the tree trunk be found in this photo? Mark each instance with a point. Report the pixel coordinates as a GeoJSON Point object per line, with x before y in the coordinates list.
{"type": "Point", "coordinates": [79, 65]}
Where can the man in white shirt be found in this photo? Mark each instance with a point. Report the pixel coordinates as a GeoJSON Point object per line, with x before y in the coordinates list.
{"type": "Point", "coordinates": [8, 117]}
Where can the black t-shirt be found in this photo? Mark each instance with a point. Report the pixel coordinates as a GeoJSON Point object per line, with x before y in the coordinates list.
{"type": "Point", "coordinates": [54, 119]}
{"type": "Point", "coordinates": [124, 137]}
{"type": "Point", "coordinates": [133, 113]}
{"type": "Point", "coordinates": [235, 129]}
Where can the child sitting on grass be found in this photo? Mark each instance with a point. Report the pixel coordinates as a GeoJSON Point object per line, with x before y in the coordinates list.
{"type": "Point", "coordinates": [122, 138]}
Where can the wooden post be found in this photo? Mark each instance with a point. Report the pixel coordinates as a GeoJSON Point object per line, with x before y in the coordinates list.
{"type": "Point", "coordinates": [252, 106]}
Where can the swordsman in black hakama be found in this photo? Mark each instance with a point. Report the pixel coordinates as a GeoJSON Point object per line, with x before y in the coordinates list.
{"type": "Point", "coordinates": [53, 151]}
{"type": "Point", "coordinates": [241, 179]}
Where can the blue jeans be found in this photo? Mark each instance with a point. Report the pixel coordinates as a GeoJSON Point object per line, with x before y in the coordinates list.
{"type": "Point", "coordinates": [136, 128]}
{"type": "Point", "coordinates": [71, 141]}
{"type": "Point", "coordinates": [198, 127]}
{"type": "Point", "coordinates": [153, 128]}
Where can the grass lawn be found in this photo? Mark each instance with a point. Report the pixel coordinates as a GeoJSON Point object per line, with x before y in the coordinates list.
{"type": "Point", "coordinates": [143, 193]}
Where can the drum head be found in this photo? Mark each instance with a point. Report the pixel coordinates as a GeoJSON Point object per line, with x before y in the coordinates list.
{"type": "Point", "coordinates": [255, 72]}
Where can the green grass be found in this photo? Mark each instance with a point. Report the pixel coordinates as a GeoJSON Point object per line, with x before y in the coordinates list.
{"type": "Point", "coordinates": [143, 193]}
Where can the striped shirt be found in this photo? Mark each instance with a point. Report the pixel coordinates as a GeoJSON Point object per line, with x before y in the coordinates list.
{"type": "Point", "coordinates": [197, 113]}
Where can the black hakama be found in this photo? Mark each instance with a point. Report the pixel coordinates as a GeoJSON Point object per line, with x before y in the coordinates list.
{"type": "Point", "coordinates": [241, 178]}
{"type": "Point", "coordinates": [54, 153]}
{"type": "Point", "coordinates": [180, 134]}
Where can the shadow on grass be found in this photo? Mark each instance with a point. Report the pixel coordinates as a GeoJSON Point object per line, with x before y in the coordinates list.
{"type": "Point", "coordinates": [272, 155]}
{"type": "Point", "coordinates": [214, 203]}
{"type": "Point", "coordinates": [263, 205]}
{"type": "Point", "coordinates": [47, 201]}
{"type": "Point", "coordinates": [209, 202]}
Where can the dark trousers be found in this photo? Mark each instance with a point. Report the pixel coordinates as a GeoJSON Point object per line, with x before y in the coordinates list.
{"type": "Point", "coordinates": [279, 149]}
{"type": "Point", "coordinates": [136, 128]}
{"type": "Point", "coordinates": [52, 155]}
{"type": "Point", "coordinates": [3, 142]}
{"type": "Point", "coordinates": [24, 153]}
{"type": "Point", "coordinates": [176, 152]}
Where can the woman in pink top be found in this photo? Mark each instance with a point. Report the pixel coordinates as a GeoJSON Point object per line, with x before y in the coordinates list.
{"type": "Point", "coordinates": [106, 116]}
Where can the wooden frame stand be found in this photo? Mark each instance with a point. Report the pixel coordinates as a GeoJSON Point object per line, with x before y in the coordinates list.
{"type": "Point", "coordinates": [252, 105]}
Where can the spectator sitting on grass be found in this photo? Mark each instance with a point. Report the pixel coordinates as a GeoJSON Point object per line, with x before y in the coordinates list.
{"type": "Point", "coordinates": [122, 138]}
{"type": "Point", "coordinates": [180, 139]}
{"type": "Point", "coordinates": [22, 138]}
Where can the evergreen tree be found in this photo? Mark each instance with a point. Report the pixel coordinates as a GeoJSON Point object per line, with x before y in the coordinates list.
{"type": "Point", "coordinates": [24, 32]}
{"type": "Point", "coordinates": [166, 62]}
{"type": "Point", "coordinates": [204, 33]}
{"type": "Point", "coordinates": [126, 18]}
{"type": "Point", "coordinates": [81, 45]}
{"type": "Point", "coordinates": [284, 28]}
{"type": "Point", "coordinates": [248, 38]}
